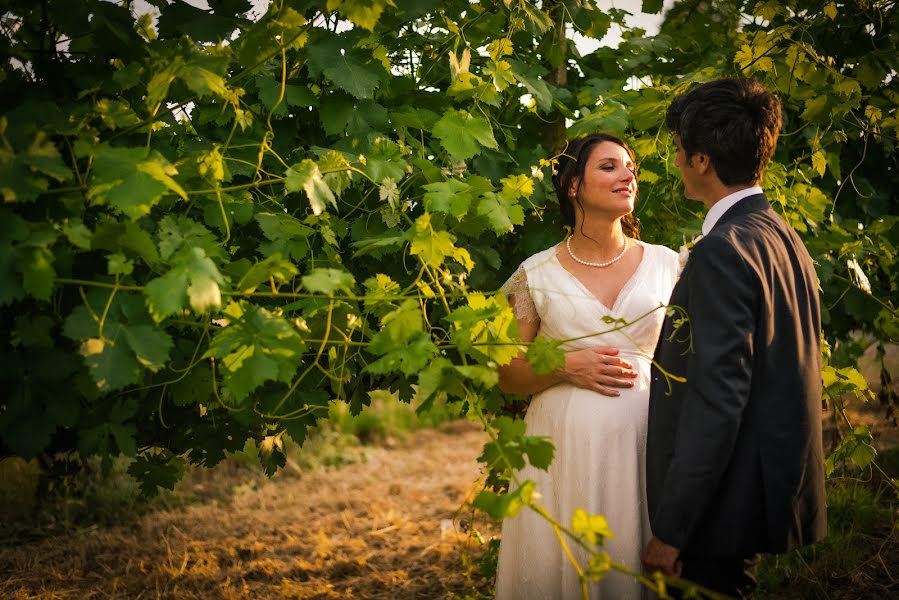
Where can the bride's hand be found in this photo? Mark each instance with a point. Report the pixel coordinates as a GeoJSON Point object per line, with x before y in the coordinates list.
{"type": "Point", "coordinates": [598, 369]}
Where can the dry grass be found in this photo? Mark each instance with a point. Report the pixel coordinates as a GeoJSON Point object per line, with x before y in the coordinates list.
{"type": "Point", "coordinates": [386, 528]}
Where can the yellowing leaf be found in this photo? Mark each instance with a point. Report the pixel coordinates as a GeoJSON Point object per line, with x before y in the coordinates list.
{"type": "Point", "coordinates": [830, 9]}
{"type": "Point", "coordinates": [517, 186]}
{"type": "Point", "coordinates": [203, 81]}
{"type": "Point", "coordinates": [306, 176]}
{"type": "Point", "coordinates": [767, 10]}
{"type": "Point", "coordinates": [499, 48]}
{"type": "Point", "coordinates": [461, 65]}
{"type": "Point", "coordinates": [501, 72]}
{"type": "Point", "coordinates": [594, 528]}
{"type": "Point", "coordinates": [432, 246]}
{"type": "Point", "coordinates": [819, 162]}
{"type": "Point", "coordinates": [873, 113]}
{"type": "Point", "coordinates": [162, 171]}
{"type": "Point", "coordinates": [364, 13]}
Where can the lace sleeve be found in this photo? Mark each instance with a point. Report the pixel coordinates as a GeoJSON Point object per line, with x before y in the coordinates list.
{"type": "Point", "coordinates": [516, 288]}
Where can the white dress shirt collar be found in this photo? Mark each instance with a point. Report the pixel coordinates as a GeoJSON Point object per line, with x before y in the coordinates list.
{"type": "Point", "coordinates": [719, 208]}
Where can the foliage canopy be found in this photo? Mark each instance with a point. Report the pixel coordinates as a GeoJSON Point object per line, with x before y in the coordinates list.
{"type": "Point", "coordinates": [213, 226]}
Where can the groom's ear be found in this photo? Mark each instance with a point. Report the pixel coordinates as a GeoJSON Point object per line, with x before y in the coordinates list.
{"type": "Point", "coordinates": [702, 163]}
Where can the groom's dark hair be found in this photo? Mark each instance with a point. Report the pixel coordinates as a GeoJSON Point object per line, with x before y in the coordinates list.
{"type": "Point", "coordinates": [734, 121]}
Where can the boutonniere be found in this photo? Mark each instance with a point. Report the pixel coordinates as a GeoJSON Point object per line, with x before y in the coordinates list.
{"type": "Point", "coordinates": [684, 252]}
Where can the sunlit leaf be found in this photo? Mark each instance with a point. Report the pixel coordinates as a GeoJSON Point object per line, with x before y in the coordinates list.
{"type": "Point", "coordinates": [463, 135]}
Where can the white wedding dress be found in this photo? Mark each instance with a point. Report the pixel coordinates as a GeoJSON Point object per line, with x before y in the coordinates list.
{"type": "Point", "coordinates": [600, 441]}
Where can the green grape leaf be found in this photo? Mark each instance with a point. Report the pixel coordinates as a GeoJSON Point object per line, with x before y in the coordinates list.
{"type": "Point", "coordinates": [117, 264]}
{"type": "Point", "coordinates": [180, 232]}
{"type": "Point", "coordinates": [531, 77]}
{"type": "Point", "coordinates": [355, 72]}
{"type": "Point", "coordinates": [294, 95]}
{"type": "Point", "coordinates": [263, 40]}
{"type": "Point", "coordinates": [273, 268]}
{"type": "Point", "coordinates": [502, 213]}
{"type": "Point", "coordinates": [195, 388]}
{"type": "Point", "coordinates": [545, 355]}
{"type": "Point", "coordinates": [451, 196]}
{"type": "Point", "coordinates": [38, 273]}
{"type": "Point", "coordinates": [508, 505]}
{"type": "Point", "coordinates": [111, 364]}
{"type": "Point", "coordinates": [328, 281]}
{"type": "Point", "coordinates": [402, 342]}
{"type": "Point", "coordinates": [539, 450]}
{"type": "Point", "coordinates": [204, 82]}
{"type": "Point", "coordinates": [131, 180]}
{"type": "Point", "coordinates": [430, 381]}
{"type": "Point", "coordinates": [76, 232]}
{"type": "Point", "coordinates": [116, 113]}
{"type": "Point", "coordinates": [151, 347]}
{"type": "Point", "coordinates": [464, 135]}
{"type": "Point", "coordinates": [194, 280]}
{"type": "Point", "coordinates": [817, 109]}
{"type": "Point", "coordinates": [154, 471]}
{"type": "Point", "coordinates": [182, 18]}
{"type": "Point", "coordinates": [43, 156]}
{"type": "Point", "coordinates": [408, 359]}
{"type": "Point", "coordinates": [255, 348]}
{"type": "Point", "coordinates": [384, 161]}
{"type": "Point", "coordinates": [485, 376]}
{"type": "Point", "coordinates": [516, 186]}
{"type": "Point", "coordinates": [288, 235]}
{"type": "Point", "coordinates": [855, 447]}
{"type": "Point", "coordinates": [413, 118]}
{"type": "Point", "coordinates": [118, 237]}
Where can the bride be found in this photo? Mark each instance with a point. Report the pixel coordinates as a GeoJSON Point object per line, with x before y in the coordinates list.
{"type": "Point", "coordinates": [594, 408]}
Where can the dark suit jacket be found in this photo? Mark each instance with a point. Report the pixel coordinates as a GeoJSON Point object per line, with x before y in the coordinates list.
{"type": "Point", "coordinates": [735, 463]}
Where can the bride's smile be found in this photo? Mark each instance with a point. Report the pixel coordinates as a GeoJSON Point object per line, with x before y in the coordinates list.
{"type": "Point", "coordinates": [609, 184]}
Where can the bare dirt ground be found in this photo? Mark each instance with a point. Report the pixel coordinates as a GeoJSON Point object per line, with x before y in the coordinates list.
{"type": "Point", "coordinates": [391, 527]}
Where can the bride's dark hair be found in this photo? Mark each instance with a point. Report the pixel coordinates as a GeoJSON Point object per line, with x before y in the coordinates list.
{"type": "Point", "coordinates": [572, 161]}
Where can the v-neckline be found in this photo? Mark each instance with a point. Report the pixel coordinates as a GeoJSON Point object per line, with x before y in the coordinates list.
{"type": "Point", "coordinates": [624, 289]}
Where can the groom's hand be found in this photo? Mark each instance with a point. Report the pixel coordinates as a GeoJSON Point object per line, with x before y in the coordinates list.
{"type": "Point", "coordinates": [598, 369]}
{"type": "Point", "coordinates": [659, 556]}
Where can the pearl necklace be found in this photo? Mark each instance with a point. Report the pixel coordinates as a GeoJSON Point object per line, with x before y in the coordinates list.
{"type": "Point", "coordinates": [595, 264]}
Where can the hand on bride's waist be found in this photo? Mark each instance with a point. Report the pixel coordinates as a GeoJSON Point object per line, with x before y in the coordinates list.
{"type": "Point", "coordinates": [599, 369]}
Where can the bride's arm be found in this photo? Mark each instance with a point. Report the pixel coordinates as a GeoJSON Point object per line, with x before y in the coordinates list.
{"type": "Point", "coordinates": [598, 369]}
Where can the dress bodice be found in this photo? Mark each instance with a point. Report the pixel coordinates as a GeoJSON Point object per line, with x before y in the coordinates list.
{"type": "Point", "coordinates": [567, 310]}
{"type": "Point", "coordinates": [599, 440]}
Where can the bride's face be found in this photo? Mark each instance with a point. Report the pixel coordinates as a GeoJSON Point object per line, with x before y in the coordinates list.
{"type": "Point", "coordinates": [609, 184]}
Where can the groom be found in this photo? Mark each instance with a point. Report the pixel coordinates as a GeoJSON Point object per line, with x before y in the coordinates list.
{"type": "Point", "coordinates": [734, 463]}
